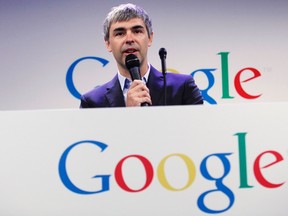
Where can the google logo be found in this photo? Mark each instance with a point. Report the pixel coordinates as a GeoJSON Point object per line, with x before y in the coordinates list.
{"type": "Point", "coordinates": [249, 73]}
{"type": "Point", "coordinates": [153, 172]}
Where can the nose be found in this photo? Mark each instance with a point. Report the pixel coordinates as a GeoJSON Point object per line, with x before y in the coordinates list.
{"type": "Point", "coordinates": [129, 38]}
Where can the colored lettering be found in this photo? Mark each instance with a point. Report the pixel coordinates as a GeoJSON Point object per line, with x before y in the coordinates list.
{"type": "Point", "coordinates": [204, 199]}
{"type": "Point", "coordinates": [257, 169]}
{"type": "Point", "coordinates": [148, 169]}
{"type": "Point", "coordinates": [69, 76]}
{"type": "Point", "coordinates": [211, 81]}
{"type": "Point", "coordinates": [225, 75]}
{"type": "Point", "coordinates": [242, 160]}
{"type": "Point", "coordinates": [105, 186]}
{"type": "Point", "coordinates": [238, 86]}
{"type": "Point", "coordinates": [220, 187]}
{"type": "Point", "coordinates": [190, 169]}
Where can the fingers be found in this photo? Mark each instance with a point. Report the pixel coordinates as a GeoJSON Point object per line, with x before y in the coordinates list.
{"type": "Point", "coordinates": [137, 94]}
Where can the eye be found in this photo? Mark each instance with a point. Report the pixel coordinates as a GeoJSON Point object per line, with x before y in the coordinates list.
{"type": "Point", "coordinates": [138, 31]}
{"type": "Point", "coordinates": [118, 34]}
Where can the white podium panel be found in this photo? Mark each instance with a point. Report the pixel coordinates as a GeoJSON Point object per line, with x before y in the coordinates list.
{"type": "Point", "coordinates": [182, 160]}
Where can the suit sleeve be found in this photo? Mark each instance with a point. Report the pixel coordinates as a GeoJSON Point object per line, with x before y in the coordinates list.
{"type": "Point", "coordinates": [192, 94]}
{"type": "Point", "coordinates": [83, 102]}
{"type": "Point", "coordinates": [91, 99]}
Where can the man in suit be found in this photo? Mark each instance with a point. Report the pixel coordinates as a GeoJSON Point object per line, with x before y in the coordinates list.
{"type": "Point", "coordinates": [128, 30]}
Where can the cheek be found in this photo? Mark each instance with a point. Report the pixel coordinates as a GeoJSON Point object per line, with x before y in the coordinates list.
{"type": "Point", "coordinates": [114, 47]}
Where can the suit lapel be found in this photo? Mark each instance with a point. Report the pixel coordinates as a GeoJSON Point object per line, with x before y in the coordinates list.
{"type": "Point", "coordinates": [155, 85]}
{"type": "Point", "coordinates": [114, 94]}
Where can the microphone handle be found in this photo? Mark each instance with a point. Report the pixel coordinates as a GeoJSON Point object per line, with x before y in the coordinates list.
{"type": "Point", "coordinates": [163, 64]}
{"type": "Point", "coordinates": [135, 75]}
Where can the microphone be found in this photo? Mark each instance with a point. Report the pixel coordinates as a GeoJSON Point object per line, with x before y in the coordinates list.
{"type": "Point", "coordinates": [163, 54]}
{"type": "Point", "coordinates": [133, 65]}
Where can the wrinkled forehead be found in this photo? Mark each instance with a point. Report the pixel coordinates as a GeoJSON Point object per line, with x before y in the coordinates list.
{"type": "Point", "coordinates": [128, 24]}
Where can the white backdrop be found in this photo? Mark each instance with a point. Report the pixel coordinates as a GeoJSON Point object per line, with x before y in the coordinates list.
{"type": "Point", "coordinates": [33, 144]}
{"type": "Point", "coordinates": [39, 40]}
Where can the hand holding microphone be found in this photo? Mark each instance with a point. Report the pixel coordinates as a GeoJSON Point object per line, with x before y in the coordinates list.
{"type": "Point", "coordinates": [138, 93]}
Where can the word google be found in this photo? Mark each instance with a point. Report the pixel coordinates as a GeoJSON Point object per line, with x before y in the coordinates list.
{"type": "Point", "coordinates": [253, 73]}
{"type": "Point", "coordinates": [258, 169]}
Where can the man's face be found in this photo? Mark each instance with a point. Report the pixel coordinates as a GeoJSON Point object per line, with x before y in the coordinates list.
{"type": "Point", "coordinates": [129, 37]}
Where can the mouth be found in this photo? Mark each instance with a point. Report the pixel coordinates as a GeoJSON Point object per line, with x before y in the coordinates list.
{"type": "Point", "coordinates": [130, 51]}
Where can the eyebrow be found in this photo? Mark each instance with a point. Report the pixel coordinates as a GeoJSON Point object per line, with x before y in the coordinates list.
{"type": "Point", "coordinates": [133, 28]}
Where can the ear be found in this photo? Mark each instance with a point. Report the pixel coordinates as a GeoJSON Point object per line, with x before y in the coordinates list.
{"type": "Point", "coordinates": [150, 39]}
{"type": "Point", "coordinates": [108, 47]}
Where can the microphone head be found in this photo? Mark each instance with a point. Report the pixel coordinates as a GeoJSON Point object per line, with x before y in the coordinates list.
{"type": "Point", "coordinates": [132, 61]}
{"type": "Point", "coordinates": [162, 53]}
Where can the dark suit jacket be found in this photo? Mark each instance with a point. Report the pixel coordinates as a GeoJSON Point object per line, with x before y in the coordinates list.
{"type": "Point", "coordinates": [181, 90]}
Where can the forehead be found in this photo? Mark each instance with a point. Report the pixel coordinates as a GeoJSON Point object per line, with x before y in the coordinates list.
{"type": "Point", "coordinates": [127, 24]}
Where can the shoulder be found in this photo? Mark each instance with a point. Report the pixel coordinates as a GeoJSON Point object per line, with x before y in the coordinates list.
{"type": "Point", "coordinates": [99, 90]}
{"type": "Point", "coordinates": [173, 79]}
{"type": "Point", "coordinates": [179, 79]}
{"type": "Point", "coordinates": [178, 76]}
{"type": "Point", "coordinates": [170, 75]}
{"type": "Point", "coordinates": [185, 84]}
{"type": "Point", "coordinates": [97, 94]}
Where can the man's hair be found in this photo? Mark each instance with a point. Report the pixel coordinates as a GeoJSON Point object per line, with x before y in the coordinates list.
{"type": "Point", "coordinates": [125, 12]}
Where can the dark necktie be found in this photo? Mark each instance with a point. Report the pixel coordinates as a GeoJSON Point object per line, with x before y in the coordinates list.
{"type": "Point", "coordinates": [126, 84]}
